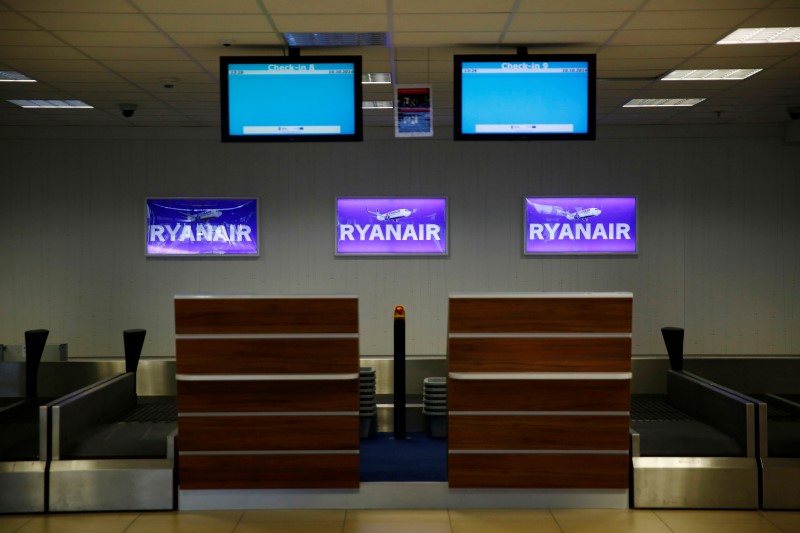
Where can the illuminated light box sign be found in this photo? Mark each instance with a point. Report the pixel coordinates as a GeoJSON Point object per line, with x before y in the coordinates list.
{"type": "Point", "coordinates": [391, 226]}
{"type": "Point", "coordinates": [202, 226]}
{"type": "Point", "coordinates": [580, 225]}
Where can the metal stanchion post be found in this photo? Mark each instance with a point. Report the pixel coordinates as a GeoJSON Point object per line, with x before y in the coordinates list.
{"type": "Point", "coordinates": [399, 372]}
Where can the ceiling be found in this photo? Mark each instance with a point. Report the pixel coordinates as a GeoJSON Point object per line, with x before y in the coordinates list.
{"type": "Point", "coordinates": [163, 54]}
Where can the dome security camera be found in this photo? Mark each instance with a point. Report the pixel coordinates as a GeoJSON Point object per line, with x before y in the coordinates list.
{"type": "Point", "coordinates": [128, 109]}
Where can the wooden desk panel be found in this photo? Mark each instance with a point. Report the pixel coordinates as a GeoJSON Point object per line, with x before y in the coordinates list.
{"type": "Point", "coordinates": [540, 315]}
{"type": "Point", "coordinates": [267, 396]}
{"type": "Point", "coordinates": [553, 471]}
{"type": "Point", "coordinates": [269, 471]}
{"type": "Point", "coordinates": [538, 395]}
{"type": "Point", "coordinates": [281, 433]}
{"type": "Point", "coordinates": [548, 432]}
{"type": "Point", "coordinates": [526, 354]}
{"type": "Point", "coordinates": [265, 315]}
{"type": "Point", "coordinates": [267, 356]}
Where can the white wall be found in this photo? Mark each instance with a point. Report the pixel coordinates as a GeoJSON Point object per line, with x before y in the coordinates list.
{"type": "Point", "coordinates": [718, 234]}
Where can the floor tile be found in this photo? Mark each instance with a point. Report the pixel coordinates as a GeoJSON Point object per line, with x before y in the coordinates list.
{"type": "Point", "coordinates": [608, 521]}
{"type": "Point", "coordinates": [717, 522]}
{"type": "Point", "coordinates": [79, 523]}
{"type": "Point", "coordinates": [9, 524]}
{"type": "Point", "coordinates": [502, 521]}
{"type": "Point", "coordinates": [187, 521]}
{"type": "Point", "coordinates": [786, 521]}
{"type": "Point", "coordinates": [292, 521]}
{"type": "Point", "coordinates": [386, 521]}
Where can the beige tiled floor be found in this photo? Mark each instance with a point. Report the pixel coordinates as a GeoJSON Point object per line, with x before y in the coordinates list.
{"type": "Point", "coordinates": [417, 521]}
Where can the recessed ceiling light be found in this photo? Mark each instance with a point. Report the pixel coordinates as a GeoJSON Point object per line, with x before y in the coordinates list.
{"type": "Point", "coordinates": [762, 36]}
{"type": "Point", "coordinates": [663, 102]}
{"type": "Point", "coordinates": [377, 104]}
{"type": "Point", "coordinates": [711, 74]}
{"type": "Point", "coordinates": [376, 77]}
{"type": "Point", "coordinates": [52, 104]}
{"type": "Point", "coordinates": [10, 75]}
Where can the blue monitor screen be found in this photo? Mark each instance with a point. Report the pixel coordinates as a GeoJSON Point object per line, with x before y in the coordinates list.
{"type": "Point", "coordinates": [291, 98]}
{"type": "Point", "coordinates": [525, 97]}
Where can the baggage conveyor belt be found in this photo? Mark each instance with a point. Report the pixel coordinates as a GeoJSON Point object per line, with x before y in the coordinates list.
{"type": "Point", "coordinates": [140, 433]}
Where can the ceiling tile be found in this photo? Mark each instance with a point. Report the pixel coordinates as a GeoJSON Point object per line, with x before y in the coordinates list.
{"type": "Point", "coordinates": [138, 53]}
{"type": "Point", "coordinates": [318, 7]}
{"type": "Point", "coordinates": [97, 87]}
{"type": "Point", "coordinates": [569, 6]}
{"type": "Point", "coordinates": [91, 22]}
{"type": "Point", "coordinates": [12, 21]}
{"type": "Point", "coordinates": [680, 20]}
{"type": "Point", "coordinates": [746, 50]}
{"type": "Point", "coordinates": [28, 38]}
{"type": "Point", "coordinates": [182, 79]}
{"type": "Point", "coordinates": [567, 21]}
{"type": "Point", "coordinates": [74, 6]}
{"type": "Point", "coordinates": [198, 6]}
{"type": "Point", "coordinates": [775, 18]}
{"type": "Point", "coordinates": [667, 37]}
{"type": "Point", "coordinates": [408, 54]}
{"type": "Point", "coordinates": [643, 52]}
{"type": "Point", "coordinates": [455, 38]}
{"type": "Point", "coordinates": [575, 38]}
{"type": "Point", "coordinates": [446, 53]}
{"type": "Point", "coordinates": [450, 22]}
{"type": "Point", "coordinates": [642, 75]}
{"type": "Point", "coordinates": [680, 5]}
{"type": "Point", "coordinates": [662, 64]}
{"type": "Point", "coordinates": [178, 68]}
{"type": "Point", "coordinates": [110, 38]}
{"type": "Point", "coordinates": [212, 23]}
{"type": "Point", "coordinates": [453, 6]}
{"type": "Point", "coordinates": [40, 52]}
{"type": "Point", "coordinates": [85, 78]}
{"type": "Point", "coordinates": [34, 66]}
{"type": "Point", "coordinates": [241, 41]}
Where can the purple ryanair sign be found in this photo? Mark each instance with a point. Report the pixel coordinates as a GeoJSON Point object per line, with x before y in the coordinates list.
{"type": "Point", "coordinates": [202, 226]}
{"type": "Point", "coordinates": [588, 225]}
{"type": "Point", "coordinates": [391, 226]}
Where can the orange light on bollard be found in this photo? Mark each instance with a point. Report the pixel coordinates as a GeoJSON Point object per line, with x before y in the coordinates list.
{"type": "Point", "coordinates": [399, 312]}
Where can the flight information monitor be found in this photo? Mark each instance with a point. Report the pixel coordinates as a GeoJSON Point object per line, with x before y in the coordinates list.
{"type": "Point", "coordinates": [524, 97]}
{"type": "Point", "coordinates": [291, 98]}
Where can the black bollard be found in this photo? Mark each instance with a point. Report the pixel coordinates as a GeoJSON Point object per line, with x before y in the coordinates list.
{"type": "Point", "coordinates": [35, 340]}
{"type": "Point", "coordinates": [399, 373]}
{"type": "Point", "coordinates": [673, 339]}
{"type": "Point", "coordinates": [134, 340]}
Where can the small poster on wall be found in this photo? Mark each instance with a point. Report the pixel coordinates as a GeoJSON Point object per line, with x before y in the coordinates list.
{"type": "Point", "coordinates": [391, 226]}
{"type": "Point", "coordinates": [580, 225]}
{"type": "Point", "coordinates": [202, 226]}
{"type": "Point", "coordinates": [413, 111]}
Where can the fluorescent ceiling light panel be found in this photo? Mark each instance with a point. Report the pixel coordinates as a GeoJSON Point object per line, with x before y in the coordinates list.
{"type": "Point", "coordinates": [52, 104]}
{"type": "Point", "coordinates": [762, 36]}
{"type": "Point", "coordinates": [663, 102]}
{"type": "Point", "coordinates": [711, 74]}
{"type": "Point", "coordinates": [10, 75]}
{"type": "Point", "coordinates": [376, 104]}
{"type": "Point", "coordinates": [376, 77]}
